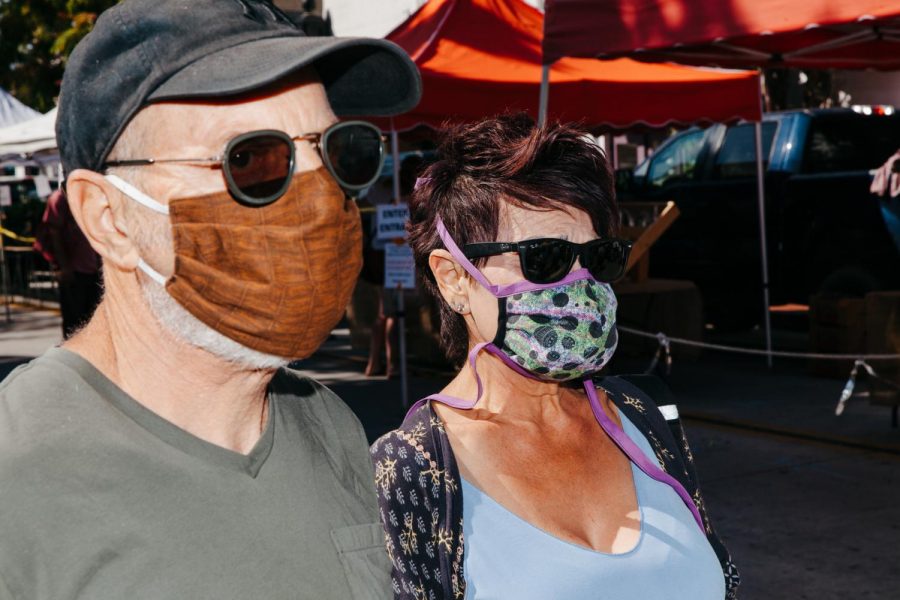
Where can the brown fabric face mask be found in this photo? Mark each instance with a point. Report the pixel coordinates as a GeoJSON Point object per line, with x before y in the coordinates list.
{"type": "Point", "coordinates": [274, 278]}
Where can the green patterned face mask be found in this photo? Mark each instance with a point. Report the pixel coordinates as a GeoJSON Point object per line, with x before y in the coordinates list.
{"type": "Point", "coordinates": [560, 333]}
{"type": "Point", "coordinates": [554, 331]}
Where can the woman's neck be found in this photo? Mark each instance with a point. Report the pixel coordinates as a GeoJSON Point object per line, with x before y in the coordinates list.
{"type": "Point", "coordinates": [510, 395]}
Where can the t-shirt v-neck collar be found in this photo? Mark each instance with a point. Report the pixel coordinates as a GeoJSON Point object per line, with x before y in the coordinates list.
{"type": "Point", "coordinates": [166, 431]}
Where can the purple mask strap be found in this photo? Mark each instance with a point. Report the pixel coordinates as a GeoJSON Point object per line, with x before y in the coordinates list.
{"type": "Point", "coordinates": [453, 400]}
{"type": "Point", "coordinates": [456, 253]}
{"type": "Point", "coordinates": [635, 454]}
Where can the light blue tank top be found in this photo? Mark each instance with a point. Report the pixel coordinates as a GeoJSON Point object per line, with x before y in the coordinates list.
{"type": "Point", "coordinates": [508, 558]}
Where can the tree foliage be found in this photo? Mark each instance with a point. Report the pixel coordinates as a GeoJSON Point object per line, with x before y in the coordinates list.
{"type": "Point", "coordinates": [36, 38]}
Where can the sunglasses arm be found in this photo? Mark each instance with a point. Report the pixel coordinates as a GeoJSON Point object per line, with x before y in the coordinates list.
{"type": "Point", "coordinates": [483, 249]}
{"type": "Point", "coordinates": [143, 162]}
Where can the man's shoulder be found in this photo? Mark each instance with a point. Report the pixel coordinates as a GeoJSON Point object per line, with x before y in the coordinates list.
{"type": "Point", "coordinates": [317, 415]}
{"type": "Point", "coordinates": [310, 399]}
{"type": "Point", "coordinates": [42, 425]}
{"type": "Point", "coordinates": [34, 391]}
{"type": "Point", "coordinates": [320, 414]}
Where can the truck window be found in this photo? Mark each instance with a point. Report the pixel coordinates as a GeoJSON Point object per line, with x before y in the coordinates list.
{"type": "Point", "coordinates": [850, 142]}
{"type": "Point", "coordinates": [737, 156]}
{"type": "Point", "coordinates": [677, 160]}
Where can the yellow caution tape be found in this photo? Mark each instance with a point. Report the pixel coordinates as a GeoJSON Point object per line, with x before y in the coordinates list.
{"type": "Point", "coordinates": [15, 236]}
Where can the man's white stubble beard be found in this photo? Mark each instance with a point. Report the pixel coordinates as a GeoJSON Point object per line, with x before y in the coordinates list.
{"type": "Point", "coordinates": [191, 330]}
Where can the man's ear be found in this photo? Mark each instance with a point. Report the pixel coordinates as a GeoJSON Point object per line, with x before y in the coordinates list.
{"type": "Point", "coordinates": [99, 210]}
{"type": "Point", "coordinates": [451, 278]}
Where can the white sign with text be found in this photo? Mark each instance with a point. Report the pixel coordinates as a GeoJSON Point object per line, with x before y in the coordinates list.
{"type": "Point", "coordinates": [390, 221]}
{"type": "Point", "coordinates": [399, 267]}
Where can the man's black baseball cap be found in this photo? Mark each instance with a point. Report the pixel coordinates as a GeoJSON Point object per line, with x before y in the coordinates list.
{"type": "Point", "coordinates": [145, 51]}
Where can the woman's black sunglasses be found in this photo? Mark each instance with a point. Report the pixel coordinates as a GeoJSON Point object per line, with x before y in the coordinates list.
{"type": "Point", "coordinates": [258, 166]}
{"type": "Point", "coordinates": [546, 260]}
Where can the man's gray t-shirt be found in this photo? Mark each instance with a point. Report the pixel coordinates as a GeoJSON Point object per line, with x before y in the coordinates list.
{"type": "Point", "coordinates": [101, 498]}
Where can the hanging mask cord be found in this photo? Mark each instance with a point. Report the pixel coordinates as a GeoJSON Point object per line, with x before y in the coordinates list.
{"type": "Point", "coordinates": [452, 400]}
{"type": "Point", "coordinates": [636, 455]}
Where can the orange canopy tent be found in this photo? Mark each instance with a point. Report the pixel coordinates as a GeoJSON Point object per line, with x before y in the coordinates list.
{"type": "Point", "coordinates": [843, 34]}
{"type": "Point", "coordinates": [483, 57]}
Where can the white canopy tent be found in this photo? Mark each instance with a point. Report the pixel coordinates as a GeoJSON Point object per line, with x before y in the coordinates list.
{"type": "Point", "coordinates": [29, 137]}
{"type": "Point", "coordinates": [12, 111]}
{"type": "Point", "coordinates": [32, 143]}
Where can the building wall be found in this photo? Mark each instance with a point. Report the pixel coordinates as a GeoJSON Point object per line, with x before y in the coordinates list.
{"type": "Point", "coordinates": [374, 18]}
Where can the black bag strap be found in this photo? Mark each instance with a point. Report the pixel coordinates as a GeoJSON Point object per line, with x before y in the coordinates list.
{"type": "Point", "coordinates": [653, 386]}
{"type": "Point", "coordinates": [666, 422]}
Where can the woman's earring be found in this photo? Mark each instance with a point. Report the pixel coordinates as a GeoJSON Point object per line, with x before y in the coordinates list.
{"type": "Point", "coordinates": [460, 307]}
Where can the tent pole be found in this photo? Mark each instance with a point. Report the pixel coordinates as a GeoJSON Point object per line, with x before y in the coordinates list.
{"type": "Point", "coordinates": [401, 309]}
{"type": "Point", "coordinates": [544, 95]}
{"type": "Point", "coordinates": [764, 253]}
{"type": "Point", "coordinates": [395, 155]}
{"type": "Point", "coordinates": [4, 277]}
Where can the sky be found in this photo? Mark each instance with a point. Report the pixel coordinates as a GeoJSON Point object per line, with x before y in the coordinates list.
{"type": "Point", "coordinates": [375, 18]}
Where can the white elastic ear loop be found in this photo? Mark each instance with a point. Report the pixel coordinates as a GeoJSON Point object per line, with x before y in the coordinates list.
{"type": "Point", "coordinates": [141, 198]}
{"type": "Point", "coordinates": [151, 272]}
{"type": "Point", "coordinates": [137, 195]}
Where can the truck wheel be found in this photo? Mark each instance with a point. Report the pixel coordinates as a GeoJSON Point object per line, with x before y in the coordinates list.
{"type": "Point", "coordinates": [853, 282]}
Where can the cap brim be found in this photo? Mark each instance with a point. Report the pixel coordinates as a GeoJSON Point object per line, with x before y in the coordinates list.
{"type": "Point", "coordinates": [363, 77]}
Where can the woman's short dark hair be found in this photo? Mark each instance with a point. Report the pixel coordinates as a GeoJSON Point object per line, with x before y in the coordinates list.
{"type": "Point", "coordinates": [509, 159]}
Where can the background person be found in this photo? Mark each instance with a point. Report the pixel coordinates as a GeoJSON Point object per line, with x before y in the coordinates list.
{"type": "Point", "coordinates": [166, 450]}
{"type": "Point", "coordinates": [373, 274]}
{"type": "Point", "coordinates": [523, 478]}
{"type": "Point", "coordinates": [63, 244]}
{"type": "Point", "coordinates": [383, 336]}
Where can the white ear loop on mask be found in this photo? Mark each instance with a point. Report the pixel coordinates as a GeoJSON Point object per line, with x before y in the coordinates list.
{"type": "Point", "coordinates": [137, 195]}
{"type": "Point", "coordinates": [141, 198]}
{"type": "Point", "coordinates": [151, 272]}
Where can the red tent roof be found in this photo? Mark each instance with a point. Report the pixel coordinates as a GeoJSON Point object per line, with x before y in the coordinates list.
{"type": "Point", "coordinates": [842, 34]}
{"type": "Point", "coordinates": [483, 57]}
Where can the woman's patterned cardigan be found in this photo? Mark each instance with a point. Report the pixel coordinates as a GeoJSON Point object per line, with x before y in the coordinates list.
{"type": "Point", "coordinates": [421, 501]}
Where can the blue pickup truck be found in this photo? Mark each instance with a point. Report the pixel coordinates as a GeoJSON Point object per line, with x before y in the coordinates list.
{"type": "Point", "coordinates": [826, 232]}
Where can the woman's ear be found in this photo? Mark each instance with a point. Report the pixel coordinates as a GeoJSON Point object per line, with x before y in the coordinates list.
{"type": "Point", "coordinates": [451, 279]}
{"type": "Point", "coordinates": [99, 210]}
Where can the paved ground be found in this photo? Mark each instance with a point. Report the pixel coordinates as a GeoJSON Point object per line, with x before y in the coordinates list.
{"type": "Point", "coordinates": [786, 398]}
{"type": "Point", "coordinates": [804, 519]}
{"type": "Point", "coordinates": [28, 333]}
